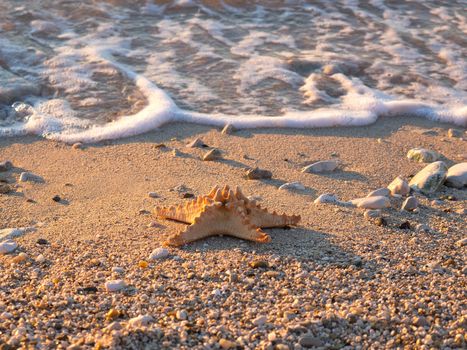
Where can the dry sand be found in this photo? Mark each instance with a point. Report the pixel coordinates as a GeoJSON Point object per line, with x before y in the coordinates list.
{"type": "Point", "coordinates": [338, 281]}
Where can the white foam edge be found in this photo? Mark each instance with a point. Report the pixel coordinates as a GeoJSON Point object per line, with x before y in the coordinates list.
{"type": "Point", "coordinates": [161, 109]}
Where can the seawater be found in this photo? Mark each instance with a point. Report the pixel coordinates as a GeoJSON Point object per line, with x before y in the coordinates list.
{"type": "Point", "coordinates": [94, 70]}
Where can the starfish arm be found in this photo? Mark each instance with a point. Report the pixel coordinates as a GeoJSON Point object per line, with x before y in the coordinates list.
{"type": "Point", "coordinates": [184, 213]}
{"type": "Point", "coordinates": [214, 221]}
{"type": "Point", "coordinates": [262, 218]}
{"type": "Point", "coordinates": [178, 213]}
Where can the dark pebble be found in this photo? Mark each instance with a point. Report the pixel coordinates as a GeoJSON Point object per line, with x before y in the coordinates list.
{"type": "Point", "coordinates": [4, 189]}
{"type": "Point", "coordinates": [187, 195]}
{"type": "Point", "coordinates": [381, 222]}
{"type": "Point", "coordinates": [42, 241]}
{"type": "Point", "coordinates": [257, 174]}
{"type": "Point", "coordinates": [309, 341]}
{"type": "Point", "coordinates": [405, 225]}
{"type": "Point", "coordinates": [5, 166]}
{"type": "Point", "coordinates": [56, 198]}
{"type": "Point", "coordinates": [86, 290]}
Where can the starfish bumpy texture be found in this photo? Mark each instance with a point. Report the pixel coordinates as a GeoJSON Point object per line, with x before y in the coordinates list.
{"type": "Point", "coordinates": [223, 212]}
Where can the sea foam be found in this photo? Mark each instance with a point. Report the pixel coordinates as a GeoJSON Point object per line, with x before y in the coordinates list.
{"type": "Point", "coordinates": [134, 68]}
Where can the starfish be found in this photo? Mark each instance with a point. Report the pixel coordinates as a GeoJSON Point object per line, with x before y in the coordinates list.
{"type": "Point", "coordinates": [223, 212]}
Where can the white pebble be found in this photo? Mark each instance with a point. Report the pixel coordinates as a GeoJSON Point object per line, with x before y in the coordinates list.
{"type": "Point", "coordinates": [292, 186]}
{"type": "Point", "coordinates": [260, 321]}
{"type": "Point", "coordinates": [140, 321]}
{"type": "Point", "coordinates": [410, 204]}
{"type": "Point", "coordinates": [399, 186]}
{"type": "Point", "coordinates": [181, 315]}
{"type": "Point", "coordinates": [377, 202]}
{"type": "Point", "coordinates": [114, 285]}
{"type": "Point", "coordinates": [40, 258]}
{"type": "Point", "coordinates": [457, 175]}
{"type": "Point", "coordinates": [118, 269]}
{"type": "Point", "coordinates": [159, 253]}
{"type": "Point", "coordinates": [326, 198]}
{"type": "Point", "coordinates": [379, 192]}
{"type": "Point", "coordinates": [372, 214]}
{"type": "Point", "coordinates": [321, 166]}
{"type": "Point", "coordinates": [7, 246]}
{"type": "Point", "coordinates": [30, 177]}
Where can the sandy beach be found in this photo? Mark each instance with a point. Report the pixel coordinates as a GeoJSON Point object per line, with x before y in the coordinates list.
{"type": "Point", "coordinates": [337, 281]}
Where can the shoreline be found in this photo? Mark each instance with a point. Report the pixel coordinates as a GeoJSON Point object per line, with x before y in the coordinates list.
{"type": "Point", "coordinates": [337, 277]}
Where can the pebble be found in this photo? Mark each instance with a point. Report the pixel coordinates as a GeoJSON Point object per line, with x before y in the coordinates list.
{"type": "Point", "coordinates": [196, 143]}
{"type": "Point", "coordinates": [155, 224]}
{"type": "Point", "coordinates": [227, 344]}
{"type": "Point", "coordinates": [272, 336]}
{"type": "Point", "coordinates": [213, 154]}
{"type": "Point", "coordinates": [181, 315]}
{"type": "Point", "coordinates": [4, 188]}
{"type": "Point", "coordinates": [42, 241]}
{"type": "Point", "coordinates": [143, 264]}
{"type": "Point", "coordinates": [10, 233]}
{"type": "Point", "coordinates": [381, 221]}
{"type": "Point", "coordinates": [228, 129]}
{"type": "Point", "coordinates": [326, 198]}
{"type": "Point", "coordinates": [372, 214]}
{"type": "Point", "coordinates": [259, 264]}
{"type": "Point", "coordinates": [114, 326]}
{"type": "Point", "coordinates": [292, 186]}
{"type": "Point", "coordinates": [30, 177]}
{"type": "Point", "coordinates": [410, 204]}
{"type": "Point", "coordinates": [399, 187]}
{"type": "Point", "coordinates": [457, 176]}
{"type": "Point", "coordinates": [309, 341]}
{"type": "Point", "coordinates": [86, 290]}
{"type": "Point", "coordinates": [422, 228]}
{"type": "Point", "coordinates": [77, 145]}
{"type": "Point", "coordinates": [379, 192]}
{"type": "Point", "coordinates": [462, 242]}
{"type": "Point", "coordinates": [216, 293]}
{"type": "Point", "coordinates": [118, 270]}
{"type": "Point", "coordinates": [321, 166]}
{"type": "Point", "coordinates": [7, 246]}
{"type": "Point", "coordinates": [420, 321]}
{"type": "Point", "coordinates": [153, 195]}
{"type": "Point", "coordinates": [405, 225]}
{"type": "Point", "coordinates": [159, 254]}
{"type": "Point", "coordinates": [260, 321]}
{"type": "Point", "coordinates": [6, 166]}
{"type": "Point", "coordinates": [423, 155]}
{"type": "Point", "coordinates": [21, 257]}
{"type": "Point", "coordinates": [56, 198]}
{"type": "Point", "coordinates": [114, 285]}
{"type": "Point", "coordinates": [140, 321]}
{"type": "Point", "coordinates": [430, 178]}
{"type": "Point", "coordinates": [454, 133]}
{"type": "Point", "coordinates": [257, 174]}
{"type": "Point", "coordinates": [40, 258]}
{"type": "Point", "coordinates": [376, 202]}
